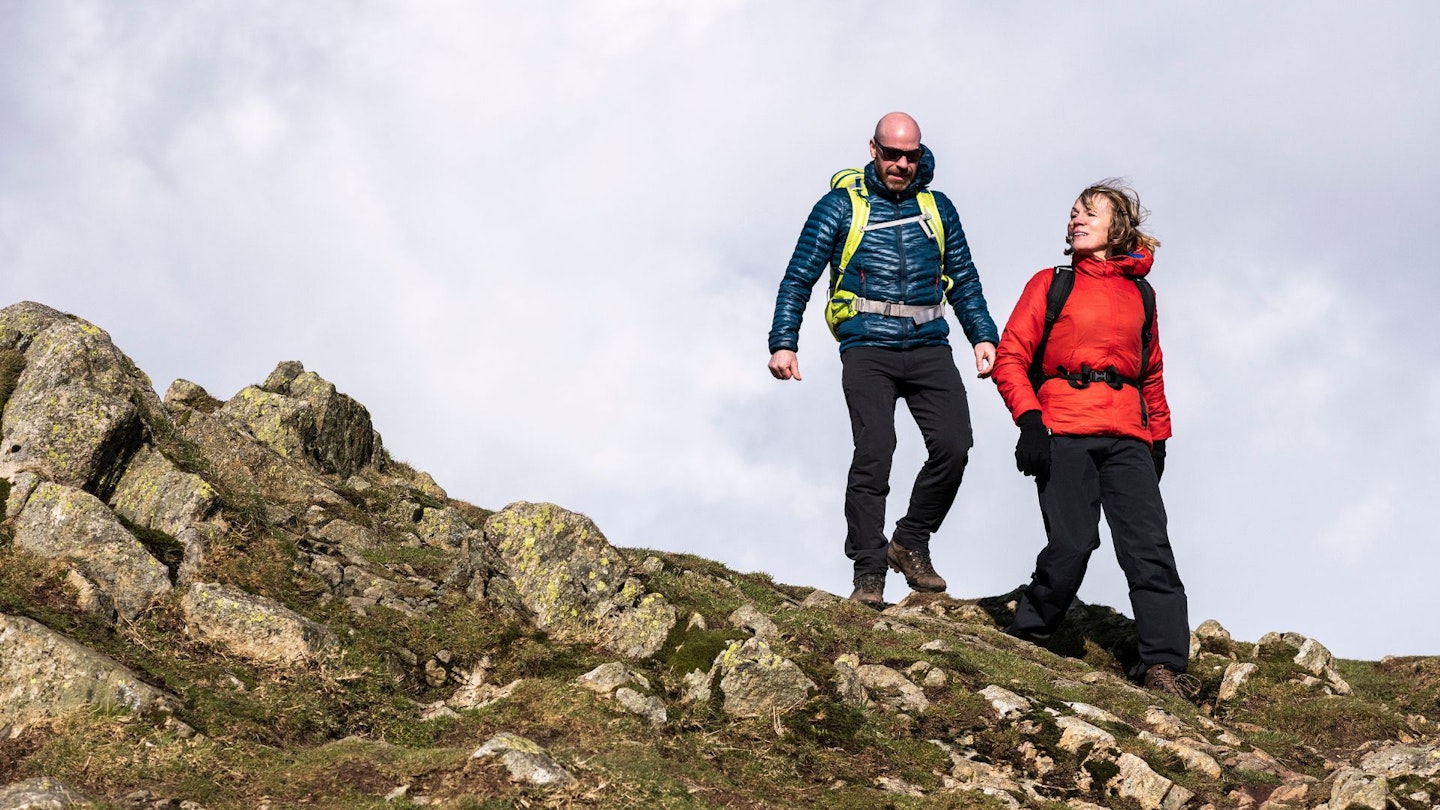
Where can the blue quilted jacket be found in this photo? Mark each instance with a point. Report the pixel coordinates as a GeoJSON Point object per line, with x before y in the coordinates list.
{"type": "Point", "coordinates": [899, 264]}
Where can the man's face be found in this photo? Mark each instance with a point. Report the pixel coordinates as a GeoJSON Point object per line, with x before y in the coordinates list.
{"type": "Point", "coordinates": [897, 157]}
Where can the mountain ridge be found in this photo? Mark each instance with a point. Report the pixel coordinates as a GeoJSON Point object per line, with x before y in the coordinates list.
{"type": "Point", "coordinates": [248, 602]}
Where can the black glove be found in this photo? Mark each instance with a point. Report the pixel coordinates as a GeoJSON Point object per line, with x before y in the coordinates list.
{"type": "Point", "coordinates": [1032, 452]}
{"type": "Point", "coordinates": [1157, 455]}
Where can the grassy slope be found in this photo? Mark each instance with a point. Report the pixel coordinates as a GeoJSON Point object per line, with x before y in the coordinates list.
{"type": "Point", "coordinates": [347, 734]}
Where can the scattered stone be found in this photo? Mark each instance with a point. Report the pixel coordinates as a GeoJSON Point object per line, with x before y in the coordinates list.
{"type": "Point", "coordinates": [1286, 796]}
{"type": "Point", "coordinates": [254, 627]}
{"type": "Point", "coordinates": [157, 495]}
{"type": "Point", "coordinates": [1193, 758]}
{"type": "Point", "coordinates": [1152, 791]}
{"type": "Point", "coordinates": [525, 760]}
{"type": "Point", "coordinates": [1076, 734]}
{"type": "Point", "coordinates": [606, 678]}
{"type": "Point", "coordinates": [891, 690]}
{"type": "Point", "coordinates": [1007, 704]}
{"type": "Point", "coordinates": [847, 680]}
{"type": "Point", "coordinates": [1235, 677]}
{"type": "Point", "coordinates": [696, 622]}
{"type": "Point", "coordinates": [647, 706]}
{"type": "Point", "coordinates": [75, 415]}
{"type": "Point", "coordinates": [891, 784]}
{"type": "Point", "coordinates": [747, 617]}
{"type": "Point", "coordinates": [755, 681]}
{"type": "Point", "coordinates": [1095, 714]}
{"type": "Point", "coordinates": [42, 793]}
{"type": "Point", "coordinates": [349, 536]}
{"type": "Point", "coordinates": [1356, 790]}
{"type": "Point", "coordinates": [1164, 723]}
{"type": "Point", "coordinates": [936, 645]}
{"type": "Point", "coordinates": [1396, 761]}
{"type": "Point", "coordinates": [819, 598]}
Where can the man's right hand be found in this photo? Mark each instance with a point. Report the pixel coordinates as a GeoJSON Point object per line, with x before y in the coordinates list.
{"type": "Point", "coordinates": [784, 365]}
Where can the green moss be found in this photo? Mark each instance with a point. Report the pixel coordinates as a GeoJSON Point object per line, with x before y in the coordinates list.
{"type": "Point", "coordinates": [163, 547]}
{"type": "Point", "coordinates": [1103, 770]}
{"type": "Point", "coordinates": [685, 650]}
{"type": "Point", "coordinates": [12, 363]}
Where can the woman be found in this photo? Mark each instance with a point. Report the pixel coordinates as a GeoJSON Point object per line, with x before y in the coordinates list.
{"type": "Point", "coordinates": [1093, 423]}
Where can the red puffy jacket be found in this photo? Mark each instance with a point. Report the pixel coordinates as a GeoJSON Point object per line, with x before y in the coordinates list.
{"type": "Point", "coordinates": [1098, 327]}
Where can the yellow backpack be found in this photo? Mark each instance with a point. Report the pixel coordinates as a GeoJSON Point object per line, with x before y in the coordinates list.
{"type": "Point", "coordinates": [844, 304]}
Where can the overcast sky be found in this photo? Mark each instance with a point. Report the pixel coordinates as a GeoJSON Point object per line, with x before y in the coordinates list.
{"type": "Point", "coordinates": [541, 242]}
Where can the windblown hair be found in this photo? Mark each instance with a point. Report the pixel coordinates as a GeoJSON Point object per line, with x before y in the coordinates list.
{"type": "Point", "coordinates": [1126, 218]}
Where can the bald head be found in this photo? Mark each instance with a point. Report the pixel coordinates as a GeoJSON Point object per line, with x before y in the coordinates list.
{"type": "Point", "coordinates": [897, 127]}
{"type": "Point", "coordinates": [896, 150]}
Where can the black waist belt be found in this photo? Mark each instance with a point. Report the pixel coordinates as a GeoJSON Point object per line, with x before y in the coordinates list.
{"type": "Point", "coordinates": [1087, 375]}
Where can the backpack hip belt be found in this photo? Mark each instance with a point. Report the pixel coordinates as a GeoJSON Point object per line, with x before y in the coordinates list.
{"type": "Point", "coordinates": [918, 314]}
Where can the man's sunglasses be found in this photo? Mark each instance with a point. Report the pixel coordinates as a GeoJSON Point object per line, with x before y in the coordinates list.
{"type": "Point", "coordinates": [890, 154]}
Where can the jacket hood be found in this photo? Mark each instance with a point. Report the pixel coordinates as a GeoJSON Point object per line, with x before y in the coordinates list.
{"type": "Point", "coordinates": [924, 173]}
{"type": "Point", "coordinates": [1131, 265]}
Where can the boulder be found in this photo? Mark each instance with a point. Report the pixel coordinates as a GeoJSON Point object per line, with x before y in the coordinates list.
{"type": "Point", "coordinates": [1235, 677]}
{"type": "Point", "coordinates": [304, 418]}
{"type": "Point", "coordinates": [755, 681]}
{"type": "Point", "coordinates": [156, 494]}
{"type": "Point", "coordinates": [44, 675]}
{"type": "Point", "coordinates": [42, 793]}
{"type": "Point", "coordinates": [251, 469]}
{"type": "Point", "coordinates": [573, 582]}
{"type": "Point", "coordinates": [75, 416]}
{"type": "Point", "coordinates": [1357, 790]}
{"type": "Point", "coordinates": [67, 523]}
{"type": "Point", "coordinates": [891, 690]}
{"type": "Point", "coordinates": [1007, 704]}
{"type": "Point", "coordinates": [1137, 781]}
{"type": "Point", "coordinates": [445, 528]}
{"type": "Point", "coordinates": [525, 760]}
{"type": "Point", "coordinates": [254, 627]}
{"type": "Point", "coordinates": [748, 617]}
{"type": "Point", "coordinates": [1076, 734]}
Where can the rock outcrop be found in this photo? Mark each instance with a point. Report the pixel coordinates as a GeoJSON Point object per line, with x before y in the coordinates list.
{"type": "Point", "coordinates": [253, 588]}
{"type": "Point", "coordinates": [574, 583]}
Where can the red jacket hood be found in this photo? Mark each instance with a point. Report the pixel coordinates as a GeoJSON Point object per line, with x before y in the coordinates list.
{"type": "Point", "coordinates": [1132, 265]}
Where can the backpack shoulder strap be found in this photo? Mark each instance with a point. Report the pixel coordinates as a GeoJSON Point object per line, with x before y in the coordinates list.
{"type": "Point", "coordinates": [934, 226]}
{"type": "Point", "coordinates": [1062, 281]}
{"type": "Point", "coordinates": [1147, 332]}
{"type": "Point", "coordinates": [853, 181]}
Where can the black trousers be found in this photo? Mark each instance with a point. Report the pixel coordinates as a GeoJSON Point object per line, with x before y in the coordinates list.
{"type": "Point", "coordinates": [1087, 472]}
{"type": "Point", "coordinates": [926, 378]}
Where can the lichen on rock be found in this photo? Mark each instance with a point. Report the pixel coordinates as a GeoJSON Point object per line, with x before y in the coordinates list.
{"type": "Point", "coordinates": [573, 582]}
{"type": "Point", "coordinates": [64, 522]}
{"type": "Point", "coordinates": [44, 675]}
{"type": "Point", "coordinates": [254, 627]}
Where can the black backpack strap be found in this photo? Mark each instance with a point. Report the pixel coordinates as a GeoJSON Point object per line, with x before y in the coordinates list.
{"type": "Point", "coordinates": [1147, 332]}
{"type": "Point", "coordinates": [1062, 281]}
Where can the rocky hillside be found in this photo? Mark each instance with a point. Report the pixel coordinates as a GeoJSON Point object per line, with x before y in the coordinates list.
{"type": "Point", "coordinates": [249, 603]}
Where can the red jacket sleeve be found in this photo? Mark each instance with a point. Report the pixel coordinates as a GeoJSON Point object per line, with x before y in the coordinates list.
{"type": "Point", "coordinates": [1017, 347]}
{"type": "Point", "coordinates": [1154, 387]}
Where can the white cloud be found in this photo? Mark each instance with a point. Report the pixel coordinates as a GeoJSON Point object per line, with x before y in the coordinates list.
{"type": "Point", "coordinates": [542, 247]}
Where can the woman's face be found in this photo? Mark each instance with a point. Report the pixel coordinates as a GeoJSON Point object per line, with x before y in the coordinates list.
{"type": "Point", "coordinates": [1089, 229]}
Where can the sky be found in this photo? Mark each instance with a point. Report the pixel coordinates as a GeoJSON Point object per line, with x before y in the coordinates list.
{"type": "Point", "coordinates": [540, 242]}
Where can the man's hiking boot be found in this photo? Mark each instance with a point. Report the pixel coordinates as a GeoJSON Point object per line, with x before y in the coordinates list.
{"type": "Point", "coordinates": [1162, 679]}
{"type": "Point", "coordinates": [915, 565]}
{"type": "Point", "coordinates": [869, 590]}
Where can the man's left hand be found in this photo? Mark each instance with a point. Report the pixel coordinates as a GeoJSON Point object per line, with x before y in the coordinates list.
{"type": "Point", "coordinates": [984, 359]}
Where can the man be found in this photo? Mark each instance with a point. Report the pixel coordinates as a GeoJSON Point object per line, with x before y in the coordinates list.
{"type": "Point", "coordinates": [887, 312]}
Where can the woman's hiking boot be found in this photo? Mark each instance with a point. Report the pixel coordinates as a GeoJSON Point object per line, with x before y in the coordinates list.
{"type": "Point", "coordinates": [1162, 679]}
{"type": "Point", "coordinates": [915, 565]}
{"type": "Point", "coordinates": [869, 590]}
